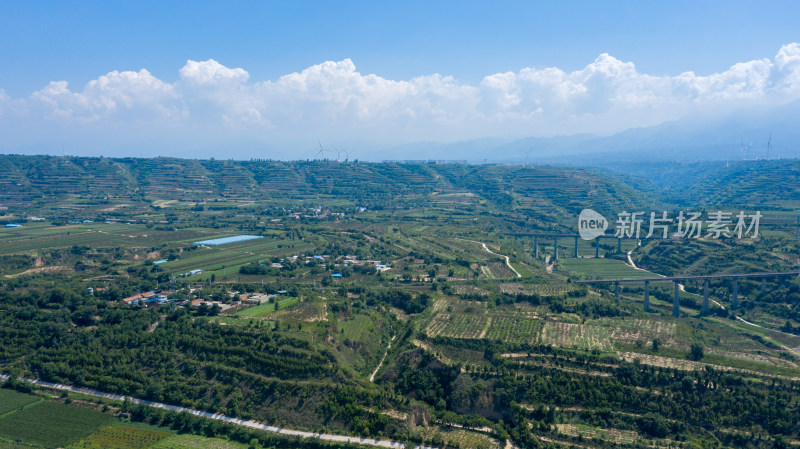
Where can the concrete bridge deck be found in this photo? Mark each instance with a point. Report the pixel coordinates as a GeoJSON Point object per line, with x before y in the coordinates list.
{"type": "Point", "coordinates": [706, 278]}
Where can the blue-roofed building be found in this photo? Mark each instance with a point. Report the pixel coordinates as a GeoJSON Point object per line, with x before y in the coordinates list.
{"type": "Point", "coordinates": [13, 225]}
{"type": "Point", "coordinates": [336, 275]}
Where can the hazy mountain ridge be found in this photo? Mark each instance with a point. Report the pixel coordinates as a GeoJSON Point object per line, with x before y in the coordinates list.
{"type": "Point", "coordinates": [741, 135]}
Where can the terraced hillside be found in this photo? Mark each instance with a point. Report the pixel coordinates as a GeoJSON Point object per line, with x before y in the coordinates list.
{"type": "Point", "coordinates": [70, 182]}
{"type": "Point", "coordinates": [767, 183]}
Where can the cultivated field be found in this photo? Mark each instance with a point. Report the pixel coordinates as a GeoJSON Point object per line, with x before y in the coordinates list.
{"type": "Point", "coordinates": [11, 400]}
{"type": "Point", "coordinates": [121, 437]}
{"type": "Point", "coordinates": [578, 336]}
{"type": "Point", "coordinates": [65, 425]}
{"type": "Point", "coordinates": [600, 269]}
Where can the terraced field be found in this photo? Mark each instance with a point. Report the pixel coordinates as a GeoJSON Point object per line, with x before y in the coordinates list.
{"type": "Point", "coordinates": [591, 268]}
{"type": "Point", "coordinates": [542, 289]}
{"type": "Point", "coordinates": [578, 336]}
{"type": "Point", "coordinates": [458, 325]}
{"type": "Point", "coordinates": [499, 270]}
{"type": "Point", "coordinates": [515, 328]}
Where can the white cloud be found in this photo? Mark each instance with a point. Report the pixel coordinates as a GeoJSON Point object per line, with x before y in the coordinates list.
{"type": "Point", "coordinates": [216, 93]}
{"type": "Point", "coordinates": [333, 91]}
{"type": "Point", "coordinates": [786, 75]}
{"type": "Point", "coordinates": [333, 98]}
{"type": "Point", "coordinates": [126, 95]}
{"type": "Point", "coordinates": [212, 73]}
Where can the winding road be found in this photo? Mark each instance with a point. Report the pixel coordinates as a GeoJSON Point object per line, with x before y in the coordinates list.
{"type": "Point", "coordinates": [220, 417]}
{"type": "Point", "coordinates": [383, 359]}
{"type": "Point", "coordinates": [508, 262]}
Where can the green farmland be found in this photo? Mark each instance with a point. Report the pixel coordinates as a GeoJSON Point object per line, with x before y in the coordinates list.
{"type": "Point", "coordinates": [600, 269]}
{"type": "Point", "coordinates": [49, 424]}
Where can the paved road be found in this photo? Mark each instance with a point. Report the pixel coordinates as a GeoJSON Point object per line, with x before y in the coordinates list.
{"type": "Point", "coordinates": [220, 417]}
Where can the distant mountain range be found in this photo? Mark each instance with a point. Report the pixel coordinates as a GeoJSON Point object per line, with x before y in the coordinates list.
{"type": "Point", "coordinates": [737, 136]}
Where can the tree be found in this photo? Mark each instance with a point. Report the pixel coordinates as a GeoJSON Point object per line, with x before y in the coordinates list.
{"type": "Point", "coordinates": [696, 352]}
{"type": "Point", "coordinates": [215, 309]}
{"type": "Point", "coordinates": [656, 344]}
{"type": "Point", "coordinates": [202, 309]}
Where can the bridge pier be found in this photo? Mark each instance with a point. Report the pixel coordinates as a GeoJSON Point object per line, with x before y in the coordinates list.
{"type": "Point", "coordinates": [555, 248]}
{"type": "Point", "coordinates": [597, 248]}
{"type": "Point", "coordinates": [677, 281]}
{"type": "Point", "coordinates": [763, 286]}
{"type": "Point", "coordinates": [576, 247]}
{"type": "Point", "coordinates": [676, 302]}
{"type": "Point", "coordinates": [536, 247]}
{"type": "Point", "coordinates": [619, 245]}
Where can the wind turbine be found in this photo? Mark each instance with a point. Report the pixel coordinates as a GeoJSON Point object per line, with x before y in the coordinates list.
{"type": "Point", "coordinates": [746, 150]}
{"type": "Point", "coordinates": [321, 151]}
{"type": "Point", "coordinates": [527, 154]}
{"type": "Point", "coordinates": [769, 144]}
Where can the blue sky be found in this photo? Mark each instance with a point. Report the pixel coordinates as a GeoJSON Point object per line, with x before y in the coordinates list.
{"type": "Point", "coordinates": [464, 44]}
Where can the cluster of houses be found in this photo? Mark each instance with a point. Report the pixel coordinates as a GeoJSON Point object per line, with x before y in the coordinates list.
{"type": "Point", "coordinates": [154, 297]}
{"type": "Point", "coordinates": [346, 261]}
{"type": "Point", "coordinates": [159, 297]}
{"type": "Point", "coordinates": [353, 260]}
{"type": "Point", "coordinates": [313, 212]}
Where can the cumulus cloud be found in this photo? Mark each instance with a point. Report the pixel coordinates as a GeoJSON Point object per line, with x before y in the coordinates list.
{"type": "Point", "coordinates": [334, 97]}
{"type": "Point", "coordinates": [334, 93]}
{"type": "Point", "coordinates": [214, 92]}
{"type": "Point", "coordinates": [212, 73]}
{"type": "Point", "coordinates": [129, 95]}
